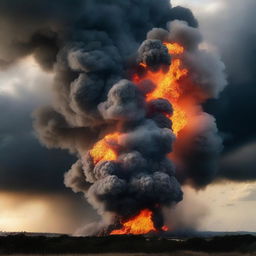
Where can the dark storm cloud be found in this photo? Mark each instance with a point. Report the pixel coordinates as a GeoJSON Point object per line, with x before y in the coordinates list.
{"type": "Point", "coordinates": [240, 163]}
{"type": "Point", "coordinates": [24, 163]}
{"type": "Point", "coordinates": [234, 34]}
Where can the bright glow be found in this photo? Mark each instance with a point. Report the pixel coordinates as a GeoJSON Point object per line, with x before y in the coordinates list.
{"type": "Point", "coordinates": [103, 149]}
{"type": "Point", "coordinates": [140, 224]}
{"type": "Point", "coordinates": [40, 213]}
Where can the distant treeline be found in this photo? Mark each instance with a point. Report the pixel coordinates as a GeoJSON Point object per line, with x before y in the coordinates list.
{"type": "Point", "coordinates": [107, 244]}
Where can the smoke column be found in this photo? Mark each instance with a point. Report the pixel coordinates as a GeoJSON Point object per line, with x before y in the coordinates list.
{"type": "Point", "coordinates": [135, 144]}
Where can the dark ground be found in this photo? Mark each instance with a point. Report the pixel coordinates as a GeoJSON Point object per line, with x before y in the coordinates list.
{"type": "Point", "coordinates": [232, 244]}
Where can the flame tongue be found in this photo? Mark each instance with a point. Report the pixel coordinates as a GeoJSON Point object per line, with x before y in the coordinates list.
{"type": "Point", "coordinates": [167, 85]}
{"type": "Point", "coordinates": [138, 225]}
{"type": "Point", "coordinates": [103, 149]}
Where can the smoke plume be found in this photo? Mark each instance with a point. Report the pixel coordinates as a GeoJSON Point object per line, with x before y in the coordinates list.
{"type": "Point", "coordinates": [126, 144]}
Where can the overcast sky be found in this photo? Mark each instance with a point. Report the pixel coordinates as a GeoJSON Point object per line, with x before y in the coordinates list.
{"type": "Point", "coordinates": [32, 193]}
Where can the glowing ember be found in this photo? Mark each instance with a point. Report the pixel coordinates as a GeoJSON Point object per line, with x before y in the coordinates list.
{"type": "Point", "coordinates": [102, 150]}
{"type": "Point", "coordinates": [179, 119]}
{"type": "Point", "coordinates": [167, 85]}
{"type": "Point", "coordinates": [174, 48]}
{"type": "Point", "coordinates": [140, 224]}
{"type": "Point", "coordinates": [165, 228]}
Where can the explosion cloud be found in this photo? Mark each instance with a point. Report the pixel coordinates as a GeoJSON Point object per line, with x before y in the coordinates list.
{"type": "Point", "coordinates": [128, 91]}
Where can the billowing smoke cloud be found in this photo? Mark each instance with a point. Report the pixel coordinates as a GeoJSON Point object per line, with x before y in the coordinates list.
{"type": "Point", "coordinates": [153, 53]}
{"type": "Point", "coordinates": [94, 48]}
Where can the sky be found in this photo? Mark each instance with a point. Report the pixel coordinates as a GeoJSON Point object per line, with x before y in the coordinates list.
{"type": "Point", "coordinates": [32, 194]}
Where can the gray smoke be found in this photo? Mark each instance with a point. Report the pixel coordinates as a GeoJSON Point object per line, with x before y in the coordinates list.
{"type": "Point", "coordinates": [124, 103]}
{"type": "Point", "coordinates": [94, 48]}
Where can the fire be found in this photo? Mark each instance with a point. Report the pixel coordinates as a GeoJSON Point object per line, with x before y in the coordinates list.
{"type": "Point", "coordinates": [179, 119]}
{"type": "Point", "coordinates": [174, 48]}
{"type": "Point", "coordinates": [140, 224]}
{"type": "Point", "coordinates": [168, 86]}
{"type": "Point", "coordinates": [103, 149]}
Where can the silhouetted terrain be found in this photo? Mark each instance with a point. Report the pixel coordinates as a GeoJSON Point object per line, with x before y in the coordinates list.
{"type": "Point", "coordinates": [18, 244]}
{"type": "Point", "coordinates": [180, 253]}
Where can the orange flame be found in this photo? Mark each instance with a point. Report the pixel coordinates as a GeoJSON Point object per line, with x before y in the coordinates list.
{"type": "Point", "coordinates": [174, 48]}
{"type": "Point", "coordinates": [103, 149]}
{"type": "Point", "coordinates": [167, 85]}
{"type": "Point", "coordinates": [138, 225]}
